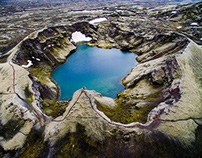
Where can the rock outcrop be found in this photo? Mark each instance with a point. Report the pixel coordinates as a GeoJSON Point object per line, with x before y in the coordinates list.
{"type": "Point", "coordinates": [158, 114]}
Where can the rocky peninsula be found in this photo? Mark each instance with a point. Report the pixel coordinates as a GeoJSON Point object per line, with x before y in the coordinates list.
{"type": "Point", "coordinates": [159, 114]}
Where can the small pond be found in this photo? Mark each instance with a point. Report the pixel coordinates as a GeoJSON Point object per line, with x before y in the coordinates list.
{"type": "Point", "coordinates": [97, 69]}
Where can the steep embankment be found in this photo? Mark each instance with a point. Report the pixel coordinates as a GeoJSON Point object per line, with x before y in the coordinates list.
{"type": "Point", "coordinates": [157, 115]}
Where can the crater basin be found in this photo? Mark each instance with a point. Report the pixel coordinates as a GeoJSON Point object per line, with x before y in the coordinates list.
{"type": "Point", "coordinates": [95, 68]}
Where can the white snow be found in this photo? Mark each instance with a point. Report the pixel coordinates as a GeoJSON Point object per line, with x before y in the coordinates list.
{"type": "Point", "coordinates": [28, 65]}
{"type": "Point", "coordinates": [35, 59]}
{"type": "Point", "coordinates": [86, 11]}
{"type": "Point", "coordinates": [97, 20]}
{"type": "Point", "coordinates": [174, 12]}
{"type": "Point", "coordinates": [79, 37]}
{"type": "Point", "coordinates": [179, 27]}
{"type": "Point", "coordinates": [194, 24]}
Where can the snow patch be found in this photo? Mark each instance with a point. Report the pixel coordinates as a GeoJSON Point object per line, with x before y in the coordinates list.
{"type": "Point", "coordinates": [86, 11]}
{"type": "Point", "coordinates": [179, 27]}
{"type": "Point", "coordinates": [194, 24]}
{"type": "Point", "coordinates": [97, 20]}
{"type": "Point", "coordinates": [28, 65]}
{"type": "Point", "coordinates": [174, 12]}
{"type": "Point", "coordinates": [79, 37]}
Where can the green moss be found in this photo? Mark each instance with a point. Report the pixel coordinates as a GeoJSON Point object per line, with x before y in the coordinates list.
{"type": "Point", "coordinates": [108, 45]}
{"type": "Point", "coordinates": [42, 72]}
{"type": "Point", "coordinates": [63, 44]}
{"type": "Point", "coordinates": [127, 111]}
{"type": "Point", "coordinates": [57, 109]}
{"type": "Point", "coordinates": [28, 94]}
{"type": "Point", "coordinates": [49, 102]}
{"type": "Point", "coordinates": [34, 146]}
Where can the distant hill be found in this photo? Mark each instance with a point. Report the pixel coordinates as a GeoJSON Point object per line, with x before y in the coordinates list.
{"type": "Point", "coordinates": [63, 1]}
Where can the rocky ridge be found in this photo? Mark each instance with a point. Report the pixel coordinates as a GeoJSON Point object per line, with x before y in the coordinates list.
{"type": "Point", "coordinates": [161, 104]}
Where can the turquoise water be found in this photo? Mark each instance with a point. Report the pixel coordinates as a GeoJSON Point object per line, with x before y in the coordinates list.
{"type": "Point", "coordinates": [96, 69]}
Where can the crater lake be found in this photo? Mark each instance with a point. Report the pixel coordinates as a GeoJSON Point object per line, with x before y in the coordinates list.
{"type": "Point", "coordinates": [94, 68]}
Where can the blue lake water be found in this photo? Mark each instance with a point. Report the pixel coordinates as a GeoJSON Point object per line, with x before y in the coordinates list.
{"type": "Point", "coordinates": [97, 69]}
